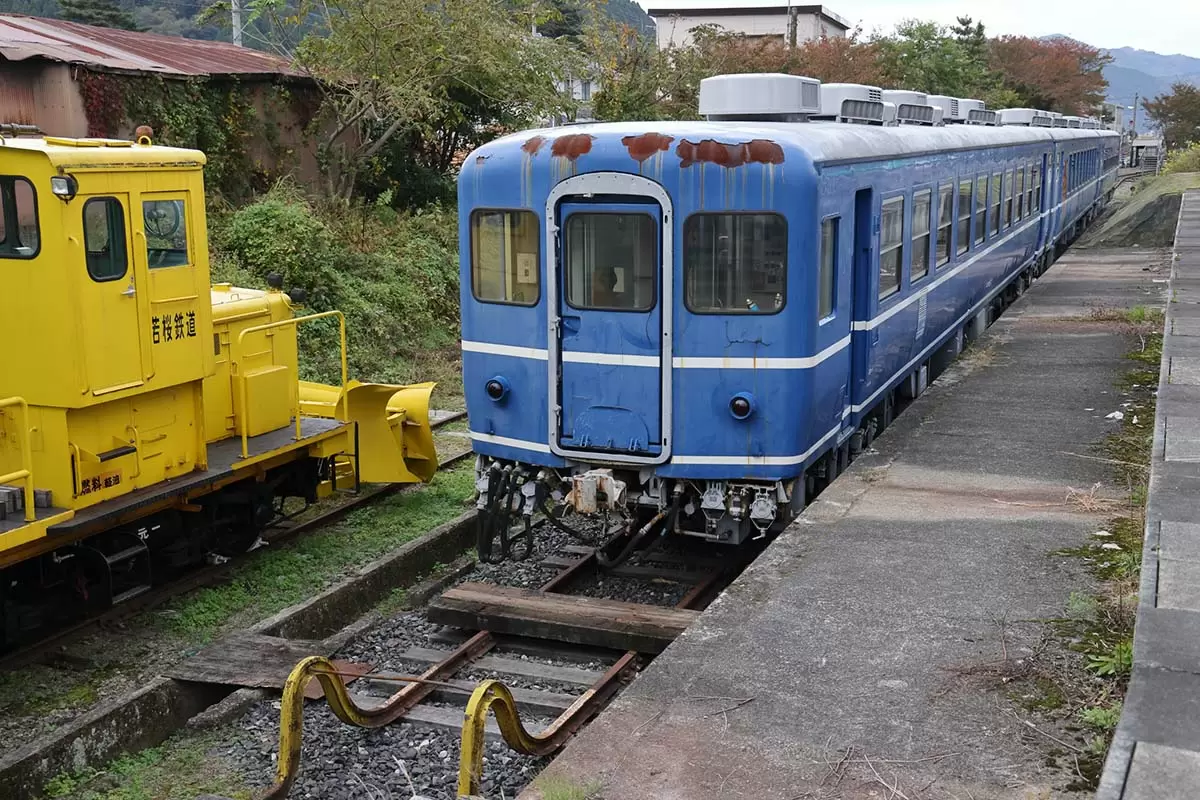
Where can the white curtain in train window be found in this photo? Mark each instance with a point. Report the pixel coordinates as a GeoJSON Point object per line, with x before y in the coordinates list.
{"type": "Point", "coordinates": [945, 223]}
{"type": "Point", "coordinates": [891, 246]}
{"type": "Point", "coordinates": [612, 261]}
{"type": "Point", "coordinates": [922, 202]}
{"type": "Point", "coordinates": [964, 217]}
{"type": "Point", "coordinates": [735, 263]}
{"type": "Point", "coordinates": [504, 257]}
{"type": "Point", "coordinates": [981, 206]}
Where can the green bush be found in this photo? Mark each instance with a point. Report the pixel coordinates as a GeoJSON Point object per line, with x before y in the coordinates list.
{"type": "Point", "coordinates": [1184, 159]}
{"type": "Point", "coordinates": [394, 276]}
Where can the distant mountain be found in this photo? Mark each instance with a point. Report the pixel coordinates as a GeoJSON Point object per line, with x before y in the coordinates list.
{"type": "Point", "coordinates": [631, 14]}
{"type": "Point", "coordinates": [1147, 74]}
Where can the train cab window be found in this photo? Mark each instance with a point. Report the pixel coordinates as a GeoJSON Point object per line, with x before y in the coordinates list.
{"type": "Point", "coordinates": [611, 261]}
{"type": "Point", "coordinates": [891, 246]}
{"type": "Point", "coordinates": [922, 209]}
{"type": "Point", "coordinates": [828, 267]}
{"type": "Point", "coordinates": [1008, 199]}
{"type": "Point", "coordinates": [996, 203]}
{"type": "Point", "coordinates": [1035, 188]}
{"type": "Point", "coordinates": [505, 257]}
{"type": "Point", "coordinates": [165, 223]}
{"type": "Point", "coordinates": [981, 206]}
{"type": "Point", "coordinates": [19, 235]}
{"type": "Point", "coordinates": [735, 263]}
{"type": "Point", "coordinates": [945, 223]}
{"type": "Point", "coordinates": [1020, 193]}
{"type": "Point", "coordinates": [104, 239]}
{"type": "Point", "coordinates": [964, 217]}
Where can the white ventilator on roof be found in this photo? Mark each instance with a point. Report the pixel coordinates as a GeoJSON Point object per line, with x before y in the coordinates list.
{"type": "Point", "coordinates": [912, 108]}
{"type": "Point", "coordinates": [939, 116]}
{"type": "Point", "coordinates": [854, 103]}
{"type": "Point", "coordinates": [949, 106]}
{"type": "Point", "coordinates": [980, 116]}
{"type": "Point", "coordinates": [1074, 122]}
{"type": "Point", "coordinates": [1030, 117]}
{"type": "Point", "coordinates": [760, 96]}
{"type": "Point", "coordinates": [889, 115]}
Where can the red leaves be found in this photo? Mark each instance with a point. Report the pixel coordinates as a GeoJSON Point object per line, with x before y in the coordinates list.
{"type": "Point", "coordinates": [1056, 74]}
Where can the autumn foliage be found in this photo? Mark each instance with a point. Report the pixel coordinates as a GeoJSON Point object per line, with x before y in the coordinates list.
{"type": "Point", "coordinates": [1055, 74]}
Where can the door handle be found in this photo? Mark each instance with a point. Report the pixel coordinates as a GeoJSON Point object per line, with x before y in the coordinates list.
{"type": "Point", "coordinates": [130, 291]}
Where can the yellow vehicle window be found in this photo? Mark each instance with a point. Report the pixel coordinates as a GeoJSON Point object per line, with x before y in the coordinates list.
{"type": "Point", "coordinates": [19, 237]}
{"type": "Point", "coordinates": [104, 238]}
{"type": "Point", "coordinates": [165, 222]}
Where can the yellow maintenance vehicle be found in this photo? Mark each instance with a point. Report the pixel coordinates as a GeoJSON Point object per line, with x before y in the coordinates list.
{"type": "Point", "coordinates": [149, 420]}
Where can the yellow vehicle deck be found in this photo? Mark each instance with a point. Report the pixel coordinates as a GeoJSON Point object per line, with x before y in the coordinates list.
{"type": "Point", "coordinates": [223, 458]}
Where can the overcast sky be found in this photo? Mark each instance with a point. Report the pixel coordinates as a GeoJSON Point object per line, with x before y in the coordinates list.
{"type": "Point", "coordinates": [1164, 26]}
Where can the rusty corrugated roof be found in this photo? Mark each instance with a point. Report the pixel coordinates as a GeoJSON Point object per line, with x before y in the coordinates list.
{"type": "Point", "coordinates": [109, 48]}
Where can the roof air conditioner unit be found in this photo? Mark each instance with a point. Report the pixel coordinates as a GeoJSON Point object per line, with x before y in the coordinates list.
{"type": "Point", "coordinates": [889, 115]}
{"type": "Point", "coordinates": [1074, 122]}
{"type": "Point", "coordinates": [851, 102]}
{"type": "Point", "coordinates": [1031, 117]}
{"type": "Point", "coordinates": [769, 97]}
{"type": "Point", "coordinates": [912, 108]}
{"type": "Point", "coordinates": [939, 116]}
{"type": "Point", "coordinates": [955, 109]}
{"type": "Point", "coordinates": [978, 116]}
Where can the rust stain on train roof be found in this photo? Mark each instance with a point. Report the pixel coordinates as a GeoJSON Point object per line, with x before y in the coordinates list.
{"type": "Point", "coordinates": [731, 155]}
{"type": "Point", "coordinates": [572, 146]}
{"type": "Point", "coordinates": [533, 145]}
{"type": "Point", "coordinates": [646, 145]}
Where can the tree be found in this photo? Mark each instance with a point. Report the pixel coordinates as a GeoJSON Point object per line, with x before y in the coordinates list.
{"type": "Point", "coordinates": [392, 68]}
{"type": "Point", "coordinates": [104, 13]}
{"type": "Point", "coordinates": [923, 56]}
{"type": "Point", "coordinates": [1055, 74]}
{"type": "Point", "coordinates": [1177, 114]}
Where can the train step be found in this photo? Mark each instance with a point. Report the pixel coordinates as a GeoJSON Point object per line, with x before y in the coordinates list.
{"type": "Point", "coordinates": [131, 552]}
{"type": "Point", "coordinates": [129, 594]}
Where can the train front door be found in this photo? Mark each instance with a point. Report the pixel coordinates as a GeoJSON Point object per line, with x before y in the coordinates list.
{"type": "Point", "coordinates": [609, 305]}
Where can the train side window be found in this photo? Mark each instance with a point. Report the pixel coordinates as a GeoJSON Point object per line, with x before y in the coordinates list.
{"type": "Point", "coordinates": [19, 234]}
{"type": "Point", "coordinates": [891, 246]}
{"type": "Point", "coordinates": [1035, 188]}
{"type": "Point", "coordinates": [945, 223]}
{"type": "Point", "coordinates": [1008, 199]}
{"type": "Point", "coordinates": [922, 209]}
{"type": "Point", "coordinates": [735, 263]}
{"type": "Point", "coordinates": [104, 239]}
{"type": "Point", "coordinates": [505, 257]}
{"type": "Point", "coordinates": [995, 203]}
{"type": "Point", "coordinates": [165, 224]}
{"type": "Point", "coordinates": [611, 261]}
{"type": "Point", "coordinates": [964, 217]}
{"type": "Point", "coordinates": [981, 206]}
{"type": "Point", "coordinates": [1020, 193]}
{"type": "Point", "coordinates": [826, 302]}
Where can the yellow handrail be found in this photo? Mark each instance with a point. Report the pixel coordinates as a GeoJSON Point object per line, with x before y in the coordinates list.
{"type": "Point", "coordinates": [294, 321]}
{"type": "Point", "coordinates": [26, 472]}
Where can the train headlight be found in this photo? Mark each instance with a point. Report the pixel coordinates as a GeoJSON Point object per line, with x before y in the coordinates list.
{"type": "Point", "coordinates": [64, 187]}
{"type": "Point", "coordinates": [497, 388]}
{"type": "Point", "coordinates": [743, 405]}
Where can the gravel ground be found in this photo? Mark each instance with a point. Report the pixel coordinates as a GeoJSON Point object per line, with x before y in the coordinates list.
{"type": "Point", "coordinates": [341, 762]}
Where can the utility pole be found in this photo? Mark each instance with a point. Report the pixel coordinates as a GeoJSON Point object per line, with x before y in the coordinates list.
{"type": "Point", "coordinates": [236, 8]}
{"type": "Point", "coordinates": [1133, 124]}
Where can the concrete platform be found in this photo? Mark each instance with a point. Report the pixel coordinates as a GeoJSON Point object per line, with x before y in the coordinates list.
{"type": "Point", "coordinates": [1156, 751]}
{"type": "Point", "coordinates": [868, 653]}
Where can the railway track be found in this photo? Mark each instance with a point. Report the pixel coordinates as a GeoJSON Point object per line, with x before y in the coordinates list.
{"type": "Point", "coordinates": [585, 649]}
{"type": "Point", "coordinates": [212, 574]}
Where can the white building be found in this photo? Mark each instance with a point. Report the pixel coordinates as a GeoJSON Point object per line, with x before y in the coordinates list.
{"type": "Point", "coordinates": [788, 23]}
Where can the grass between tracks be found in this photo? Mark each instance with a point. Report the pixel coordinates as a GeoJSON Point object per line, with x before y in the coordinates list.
{"type": "Point", "coordinates": [275, 578]}
{"type": "Point", "coordinates": [1085, 693]}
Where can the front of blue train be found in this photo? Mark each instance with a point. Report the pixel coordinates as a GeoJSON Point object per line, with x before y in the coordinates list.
{"type": "Point", "coordinates": [633, 305]}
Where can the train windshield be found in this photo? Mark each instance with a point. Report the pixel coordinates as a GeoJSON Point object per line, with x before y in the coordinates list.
{"type": "Point", "coordinates": [612, 261]}
{"type": "Point", "coordinates": [735, 263]}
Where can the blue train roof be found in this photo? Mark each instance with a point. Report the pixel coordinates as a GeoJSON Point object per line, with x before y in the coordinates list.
{"type": "Point", "coordinates": [822, 143]}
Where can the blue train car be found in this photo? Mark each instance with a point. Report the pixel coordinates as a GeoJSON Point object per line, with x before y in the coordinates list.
{"type": "Point", "coordinates": [699, 324]}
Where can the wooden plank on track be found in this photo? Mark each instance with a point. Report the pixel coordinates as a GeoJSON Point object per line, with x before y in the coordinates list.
{"type": "Point", "coordinates": [534, 670]}
{"type": "Point", "coordinates": [564, 618]}
{"type": "Point", "coordinates": [247, 659]}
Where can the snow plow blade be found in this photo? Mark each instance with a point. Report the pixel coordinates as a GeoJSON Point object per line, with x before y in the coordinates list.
{"type": "Point", "coordinates": [395, 442]}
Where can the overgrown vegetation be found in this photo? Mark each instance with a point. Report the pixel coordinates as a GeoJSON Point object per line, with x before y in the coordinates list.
{"type": "Point", "coordinates": [1185, 159]}
{"type": "Point", "coordinates": [181, 769]}
{"type": "Point", "coordinates": [394, 275]}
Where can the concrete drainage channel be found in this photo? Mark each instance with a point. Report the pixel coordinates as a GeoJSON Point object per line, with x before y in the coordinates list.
{"type": "Point", "coordinates": [148, 716]}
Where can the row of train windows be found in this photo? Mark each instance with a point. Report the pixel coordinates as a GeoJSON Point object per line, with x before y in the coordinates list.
{"type": "Point", "coordinates": [999, 201]}
{"type": "Point", "coordinates": [163, 221]}
{"type": "Point", "coordinates": [1078, 170]}
{"type": "Point", "coordinates": [733, 263]}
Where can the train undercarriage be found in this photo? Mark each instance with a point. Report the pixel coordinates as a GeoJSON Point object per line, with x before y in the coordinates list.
{"type": "Point", "coordinates": [84, 578]}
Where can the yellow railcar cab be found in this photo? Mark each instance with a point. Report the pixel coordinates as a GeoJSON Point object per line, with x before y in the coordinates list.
{"type": "Point", "coordinates": [147, 418]}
